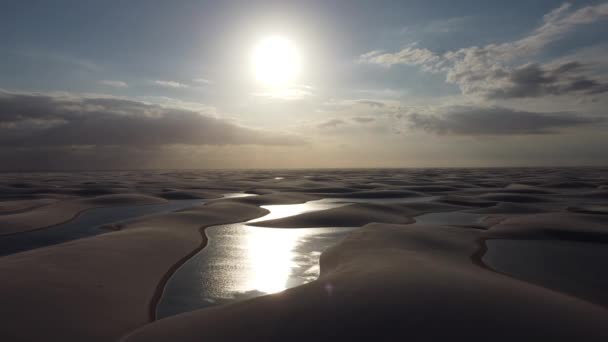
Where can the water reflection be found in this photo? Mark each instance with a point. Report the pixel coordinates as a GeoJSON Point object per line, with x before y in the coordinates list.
{"type": "Point", "coordinates": [243, 261]}
{"type": "Point", "coordinates": [452, 218]}
{"type": "Point", "coordinates": [270, 254]}
{"type": "Point", "coordinates": [87, 224]}
{"type": "Point", "coordinates": [286, 210]}
{"type": "Point", "coordinates": [237, 195]}
{"type": "Point", "coordinates": [574, 267]}
{"type": "Point", "coordinates": [380, 200]}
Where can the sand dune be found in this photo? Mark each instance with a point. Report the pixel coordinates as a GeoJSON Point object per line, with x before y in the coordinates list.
{"type": "Point", "coordinates": [590, 209]}
{"type": "Point", "coordinates": [525, 189]}
{"type": "Point", "coordinates": [275, 198]}
{"type": "Point", "coordinates": [327, 190]}
{"type": "Point", "coordinates": [12, 207]}
{"type": "Point", "coordinates": [431, 188]}
{"type": "Point", "coordinates": [419, 208]}
{"type": "Point", "coordinates": [599, 194]}
{"type": "Point", "coordinates": [509, 208]}
{"type": "Point", "coordinates": [392, 280]}
{"type": "Point", "coordinates": [182, 194]}
{"type": "Point", "coordinates": [99, 288]}
{"type": "Point", "coordinates": [467, 201]}
{"type": "Point", "coordinates": [380, 194]}
{"type": "Point", "coordinates": [569, 185]}
{"type": "Point", "coordinates": [353, 215]}
{"type": "Point", "coordinates": [515, 198]}
{"type": "Point", "coordinates": [63, 211]}
{"type": "Point", "coordinates": [563, 225]}
{"type": "Point", "coordinates": [389, 282]}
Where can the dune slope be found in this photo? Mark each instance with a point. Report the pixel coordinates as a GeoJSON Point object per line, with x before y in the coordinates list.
{"type": "Point", "coordinates": [59, 212]}
{"type": "Point", "coordinates": [99, 288]}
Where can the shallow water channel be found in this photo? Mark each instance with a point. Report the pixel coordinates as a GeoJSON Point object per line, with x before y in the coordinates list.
{"type": "Point", "coordinates": [573, 267]}
{"type": "Point", "coordinates": [87, 223]}
{"type": "Point", "coordinates": [242, 261]}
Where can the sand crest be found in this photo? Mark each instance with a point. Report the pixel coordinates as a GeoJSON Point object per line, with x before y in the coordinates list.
{"type": "Point", "coordinates": [13, 207]}
{"type": "Point", "coordinates": [62, 211]}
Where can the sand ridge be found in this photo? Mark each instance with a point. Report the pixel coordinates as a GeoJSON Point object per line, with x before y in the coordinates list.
{"type": "Point", "coordinates": [62, 211]}
{"type": "Point", "coordinates": [16, 206]}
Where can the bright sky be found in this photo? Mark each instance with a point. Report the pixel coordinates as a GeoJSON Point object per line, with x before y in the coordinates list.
{"type": "Point", "coordinates": [221, 84]}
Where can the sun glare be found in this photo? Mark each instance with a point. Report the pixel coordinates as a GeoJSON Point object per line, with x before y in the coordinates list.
{"type": "Point", "coordinates": [276, 61]}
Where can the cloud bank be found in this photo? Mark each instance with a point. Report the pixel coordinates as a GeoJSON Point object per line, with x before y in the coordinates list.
{"type": "Point", "coordinates": [482, 121]}
{"type": "Point", "coordinates": [533, 80]}
{"type": "Point", "coordinates": [33, 120]}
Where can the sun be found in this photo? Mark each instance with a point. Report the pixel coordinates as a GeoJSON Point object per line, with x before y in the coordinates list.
{"type": "Point", "coordinates": [276, 62]}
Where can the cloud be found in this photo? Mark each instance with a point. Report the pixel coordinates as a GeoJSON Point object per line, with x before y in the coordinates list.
{"type": "Point", "coordinates": [409, 55]}
{"type": "Point", "coordinates": [488, 71]}
{"type": "Point", "coordinates": [479, 121]}
{"type": "Point", "coordinates": [115, 84]}
{"type": "Point", "coordinates": [534, 80]}
{"type": "Point", "coordinates": [293, 92]}
{"type": "Point", "coordinates": [170, 84]}
{"type": "Point", "coordinates": [172, 102]}
{"type": "Point", "coordinates": [363, 119]}
{"type": "Point", "coordinates": [332, 123]}
{"type": "Point", "coordinates": [202, 81]}
{"type": "Point", "coordinates": [36, 120]}
{"type": "Point", "coordinates": [371, 103]}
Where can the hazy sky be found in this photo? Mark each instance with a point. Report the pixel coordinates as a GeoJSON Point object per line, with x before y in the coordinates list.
{"type": "Point", "coordinates": [171, 84]}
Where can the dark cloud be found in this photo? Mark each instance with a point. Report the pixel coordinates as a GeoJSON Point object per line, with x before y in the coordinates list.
{"type": "Point", "coordinates": [34, 120]}
{"type": "Point", "coordinates": [532, 80]}
{"type": "Point", "coordinates": [370, 103]}
{"type": "Point", "coordinates": [494, 121]}
{"type": "Point", "coordinates": [332, 123]}
{"type": "Point", "coordinates": [58, 158]}
{"type": "Point", "coordinates": [363, 119]}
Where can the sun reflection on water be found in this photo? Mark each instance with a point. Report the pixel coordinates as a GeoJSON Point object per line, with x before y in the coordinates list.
{"type": "Point", "coordinates": [271, 258]}
{"type": "Point", "coordinates": [270, 252]}
{"type": "Point", "coordinates": [286, 210]}
{"type": "Point", "coordinates": [242, 261]}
